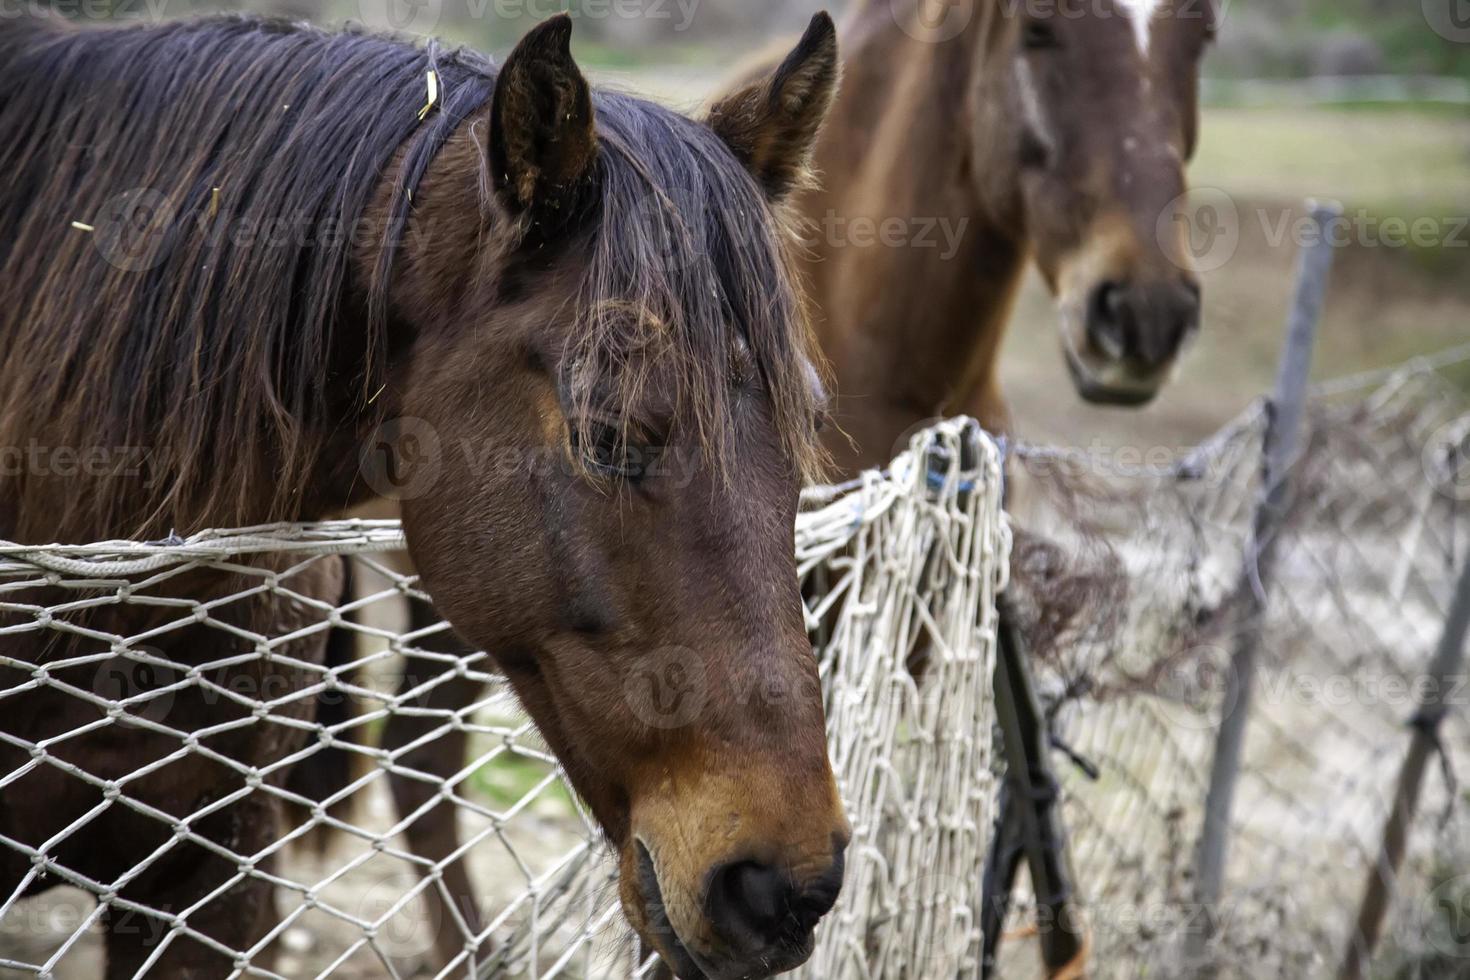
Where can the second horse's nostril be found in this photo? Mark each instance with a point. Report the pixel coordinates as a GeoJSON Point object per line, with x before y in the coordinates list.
{"type": "Point", "coordinates": [1105, 324]}
{"type": "Point", "coordinates": [749, 903]}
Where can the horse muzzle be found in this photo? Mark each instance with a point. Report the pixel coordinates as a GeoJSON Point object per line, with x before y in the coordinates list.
{"type": "Point", "coordinates": [1123, 338]}
{"type": "Point", "coordinates": [759, 919]}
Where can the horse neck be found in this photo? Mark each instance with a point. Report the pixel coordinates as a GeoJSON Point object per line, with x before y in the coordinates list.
{"type": "Point", "coordinates": [914, 326]}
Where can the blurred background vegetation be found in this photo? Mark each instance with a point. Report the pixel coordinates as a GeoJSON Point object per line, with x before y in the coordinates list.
{"type": "Point", "coordinates": [1279, 39]}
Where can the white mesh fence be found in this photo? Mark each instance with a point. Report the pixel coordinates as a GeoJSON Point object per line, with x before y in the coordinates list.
{"type": "Point", "coordinates": [114, 716]}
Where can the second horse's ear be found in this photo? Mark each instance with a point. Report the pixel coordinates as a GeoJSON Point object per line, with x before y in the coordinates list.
{"type": "Point", "coordinates": [772, 123]}
{"type": "Point", "coordinates": [543, 142]}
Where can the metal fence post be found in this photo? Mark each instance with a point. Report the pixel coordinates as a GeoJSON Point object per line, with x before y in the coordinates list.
{"type": "Point", "coordinates": [1447, 665]}
{"type": "Point", "coordinates": [1288, 402]}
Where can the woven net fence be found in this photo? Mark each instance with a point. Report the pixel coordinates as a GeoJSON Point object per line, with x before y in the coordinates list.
{"type": "Point", "coordinates": [109, 715]}
{"type": "Point", "coordinates": [1130, 571]}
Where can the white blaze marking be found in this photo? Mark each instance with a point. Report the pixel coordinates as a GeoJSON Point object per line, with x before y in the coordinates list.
{"type": "Point", "coordinates": [1141, 13]}
{"type": "Point", "coordinates": [1031, 104]}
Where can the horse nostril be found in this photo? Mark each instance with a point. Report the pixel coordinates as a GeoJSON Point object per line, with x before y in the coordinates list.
{"type": "Point", "coordinates": [1106, 316]}
{"type": "Point", "coordinates": [1192, 291]}
{"type": "Point", "coordinates": [1180, 313]}
{"type": "Point", "coordinates": [754, 906]}
{"type": "Point", "coordinates": [818, 897]}
{"type": "Point", "coordinates": [1190, 305]}
{"type": "Point", "coordinates": [748, 904]}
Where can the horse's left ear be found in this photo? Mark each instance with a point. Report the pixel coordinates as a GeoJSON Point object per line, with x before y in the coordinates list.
{"type": "Point", "coordinates": [543, 143]}
{"type": "Point", "coordinates": [772, 123]}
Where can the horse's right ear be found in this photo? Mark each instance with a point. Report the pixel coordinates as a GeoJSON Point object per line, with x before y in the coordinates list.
{"type": "Point", "coordinates": [543, 143]}
{"type": "Point", "coordinates": [771, 124]}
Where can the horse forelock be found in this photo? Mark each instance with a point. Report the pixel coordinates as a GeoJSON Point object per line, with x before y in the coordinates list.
{"type": "Point", "coordinates": [688, 263]}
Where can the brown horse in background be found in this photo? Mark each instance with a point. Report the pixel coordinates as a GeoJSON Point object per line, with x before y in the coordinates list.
{"type": "Point", "coordinates": [968, 139]}
{"type": "Point", "coordinates": [248, 247]}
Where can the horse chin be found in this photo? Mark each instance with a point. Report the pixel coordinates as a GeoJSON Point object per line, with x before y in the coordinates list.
{"type": "Point", "coordinates": [655, 920]}
{"type": "Point", "coordinates": [1102, 380]}
{"type": "Point", "coordinates": [1112, 383]}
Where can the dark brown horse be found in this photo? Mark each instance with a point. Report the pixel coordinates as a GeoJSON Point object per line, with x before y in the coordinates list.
{"type": "Point", "coordinates": [969, 139]}
{"type": "Point", "coordinates": [248, 247]}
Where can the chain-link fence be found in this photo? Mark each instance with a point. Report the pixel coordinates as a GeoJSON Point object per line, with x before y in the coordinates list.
{"type": "Point", "coordinates": [104, 717]}
{"type": "Point", "coordinates": [1135, 577]}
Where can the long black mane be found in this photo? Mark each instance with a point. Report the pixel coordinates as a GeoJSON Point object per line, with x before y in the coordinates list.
{"type": "Point", "coordinates": [177, 238]}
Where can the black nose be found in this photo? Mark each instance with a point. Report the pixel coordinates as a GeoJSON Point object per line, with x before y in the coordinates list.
{"type": "Point", "coordinates": [755, 906]}
{"type": "Point", "coordinates": [1142, 324]}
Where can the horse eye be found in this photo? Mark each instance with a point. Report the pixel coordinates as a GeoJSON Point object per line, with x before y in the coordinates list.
{"type": "Point", "coordinates": [1036, 34]}
{"type": "Point", "coordinates": [606, 451]}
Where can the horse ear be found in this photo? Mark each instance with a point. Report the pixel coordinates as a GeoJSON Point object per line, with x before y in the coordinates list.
{"type": "Point", "coordinates": [543, 141]}
{"type": "Point", "coordinates": [772, 123]}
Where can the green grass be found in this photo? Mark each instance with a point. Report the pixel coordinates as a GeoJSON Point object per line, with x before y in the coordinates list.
{"type": "Point", "coordinates": [506, 779]}
{"type": "Point", "coordinates": [1404, 162]}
